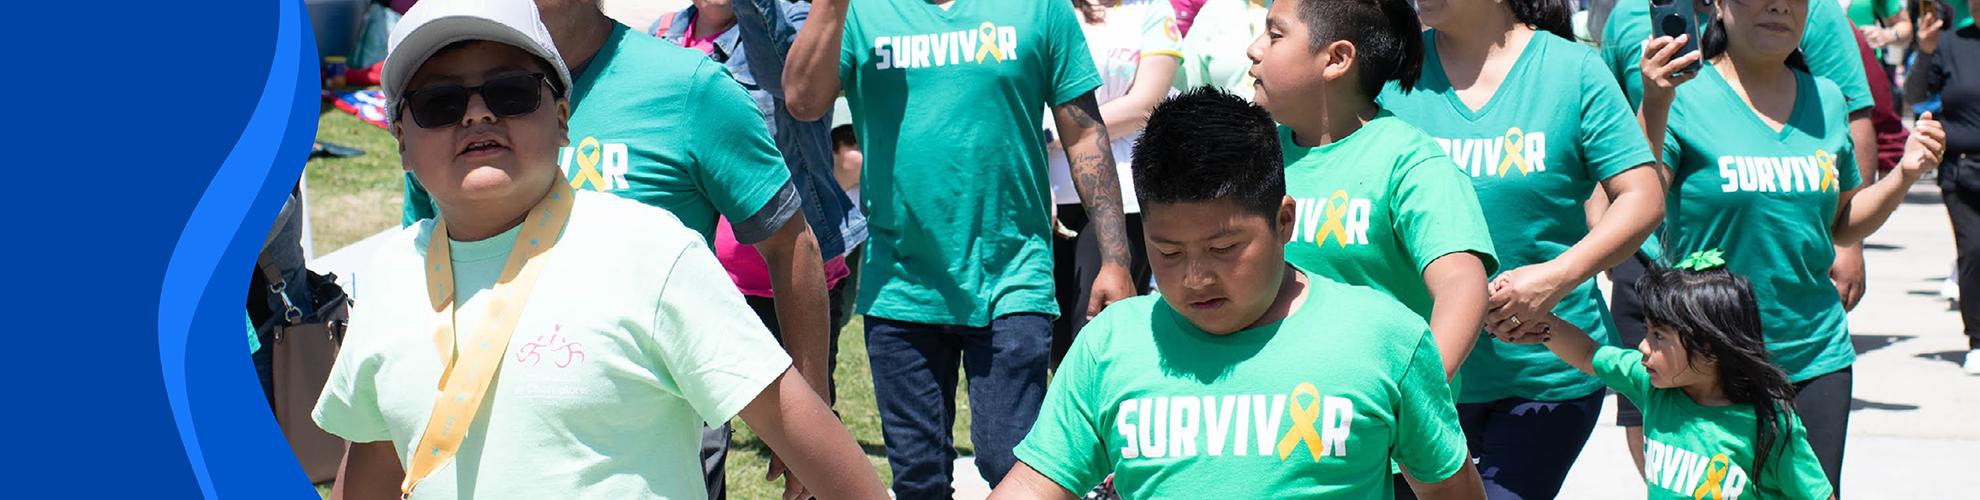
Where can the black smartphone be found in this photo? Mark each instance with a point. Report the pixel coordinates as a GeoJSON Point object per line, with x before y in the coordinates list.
{"type": "Point", "coordinates": [1676, 17]}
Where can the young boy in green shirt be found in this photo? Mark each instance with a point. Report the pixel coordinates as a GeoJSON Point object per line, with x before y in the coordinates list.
{"type": "Point", "coordinates": [1247, 377]}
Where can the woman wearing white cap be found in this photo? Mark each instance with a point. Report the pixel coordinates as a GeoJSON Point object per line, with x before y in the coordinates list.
{"type": "Point", "coordinates": [607, 372]}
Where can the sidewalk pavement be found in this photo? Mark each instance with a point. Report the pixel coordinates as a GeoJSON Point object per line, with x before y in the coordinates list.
{"type": "Point", "coordinates": [1915, 425]}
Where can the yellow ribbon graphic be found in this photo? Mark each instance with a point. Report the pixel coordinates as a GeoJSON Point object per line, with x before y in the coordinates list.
{"type": "Point", "coordinates": [987, 38]}
{"type": "Point", "coordinates": [588, 154]}
{"type": "Point", "coordinates": [1828, 164]}
{"type": "Point", "coordinates": [1336, 209]}
{"type": "Point", "coordinates": [1515, 153]}
{"type": "Point", "coordinates": [1305, 419]}
{"type": "Point", "coordinates": [1715, 476]}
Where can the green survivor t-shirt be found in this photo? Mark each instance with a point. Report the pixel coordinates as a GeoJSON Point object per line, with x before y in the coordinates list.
{"type": "Point", "coordinates": [1696, 451]}
{"type": "Point", "coordinates": [1766, 199]}
{"type": "Point", "coordinates": [947, 105]}
{"type": "Point", "coordinates": [1378, 206]}
{"type": "Point", "coordinates": [666, 126]}
{"type": "Point", "coordinates": [1313, 406]}
{"type": "Point", "coordinates": [1535, 152]}
{"type": "Point", "coordinates": [1828, 42]}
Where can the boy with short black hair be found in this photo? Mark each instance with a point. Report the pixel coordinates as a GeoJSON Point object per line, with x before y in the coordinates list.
{"type": "Point", "coordinates": [1247, 377]}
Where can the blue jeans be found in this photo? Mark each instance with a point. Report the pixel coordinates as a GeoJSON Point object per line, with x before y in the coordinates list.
{"type": "Point", "coordinates": [914, 384]}
{"type": "Point", "coordinates": [1525, 447]}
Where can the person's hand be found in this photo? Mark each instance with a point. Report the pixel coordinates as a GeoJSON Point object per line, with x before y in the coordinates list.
{"type": "Point", "coordinates": [1848, 276]}
{"type": "Point", "coordinates": [1929, 27]}
{"type": "Point", "coordinates": [1925, 148]}
{"type": "Point", "coordinates": [1113, 284]}
{"type": "Point", "coordinates": [1529, 292]}
{"type": "Point", "coordinates": [793, 489]}
{"type": "Point", "coordinates": [1875, 36]}
{"type": "Point", "coordinates": [1663, 67]}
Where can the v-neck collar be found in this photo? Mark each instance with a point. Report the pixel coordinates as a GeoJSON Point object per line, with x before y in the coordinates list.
{"type": "Point", "coordinates": [1802, 101]}
{"type": "Point", "coordinates": [1513, 77]}
{"type": "Point", "coordinates": [955, 6]}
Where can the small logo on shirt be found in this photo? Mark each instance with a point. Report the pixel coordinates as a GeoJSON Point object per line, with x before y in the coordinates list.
{"type": "Point", "coordinates": [1515, 151]}
{"type": "Point", "coordinates": [1215, 426]}
{"type": "Point", "coordinates": [595, 165]}
{"type": "Point", "coordinates": [559, 350]}
{"type": "Point", "coordinates": [1692, 474]}
{"type": "Point", "coordinates": [1339, 218]}
{"type": "Point", "coordinates": [988, 43]}
{"type": "Point", "coordinates": [1779, 174]}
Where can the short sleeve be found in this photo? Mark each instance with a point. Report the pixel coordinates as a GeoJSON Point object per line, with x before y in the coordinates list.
{"type": "Point", "coordinates": [418, 204]}
{"type": "Point", "coordinates": [1437, 212]}
{"type": "Point", "coordinates": [1622, 49]}
{"type": "Point", "coordinates": [1830, 49]}
{"type": "Point", "coordinates": [737, 166]}
{"type": "Point", "coordinates": [1072, 71]}
{"type": "Point", "coordinates": [348, 407]}
{"type": "Point", "coordinates": [1429, 444]}
{"type": "Point", "coordinates": [1622, 370]}
{"type": "Point", "coordinates": [1673, 148]}
{"type": "Point", "coordinates": [1064, 444]}
{"type": "Point", "coordinates": [849, 48]}
{"type": "Point", "coordinates": [1160, 35]}
{"type": "Point", "coordinates": [1611, 140]}
{"type": "Point", "coordinates": [717, 353]}
{"type": "Point", "coordinates": [1845, 165]}
{"type": "Point", "coordinates": [1794, 469]}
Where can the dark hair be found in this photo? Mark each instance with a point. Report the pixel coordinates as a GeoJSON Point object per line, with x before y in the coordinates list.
{"type": "Point", "coordinates": [843, 137]}
{"type": "Point", "coordinates": [1713, 43]}
{"type": "Point", "coordinates": [1552, 16]}
{"type": "Point", "coordinates": [1717, 318]}
{"type": "Point", "coordinates": [1387, 38]}
{"type": "Point", "coordinates": [1208, 145]}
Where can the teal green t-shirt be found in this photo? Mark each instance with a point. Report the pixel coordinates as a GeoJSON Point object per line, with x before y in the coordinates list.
{"type": "Point", "coordinates": [1693, 451]}
{"type": "Point", "coordinates": [1378, 206]}
{"type": "Point", "coordinates": [1535, 152]}
{"type": "Point", "coordinates": [1313, 406]}
{"type": "Point", "coordinates": [947, 106]}
{"type": "Point", "coordinates": [1828, 42]}
{"type": "Point", "coordinates": [1768, 200]}
{"type": "Point", "coordinates": [1869, 12]}
{"type": "Point", "coordinates": [666, 126]}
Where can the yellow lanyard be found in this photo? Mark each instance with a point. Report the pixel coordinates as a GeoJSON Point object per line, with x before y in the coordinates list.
{"type": "Point", "coordinates": [465, 375]}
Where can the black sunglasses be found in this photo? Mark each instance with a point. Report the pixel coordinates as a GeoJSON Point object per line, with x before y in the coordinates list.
{"type": "Point", "coordinates": [442, 105]}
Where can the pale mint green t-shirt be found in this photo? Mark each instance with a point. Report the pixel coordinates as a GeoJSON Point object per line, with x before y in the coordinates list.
{"type": "Point", "coordinates": [1767, 200]}
{"type": "Point", "coordinates": [1312, 406]}
{"type": "Point", "coordinates": [1378, 206]}
{"type": "Point", "coordinates": [1535, 152]}
{"type": "Point", "coordinates": [666, 126]}
{"type": "Point", "coordinates": [631, 341]}
{"type": "Point", "coordinates": [1692, 450]}
{"type": "Point", "coordinates": [948, 105]}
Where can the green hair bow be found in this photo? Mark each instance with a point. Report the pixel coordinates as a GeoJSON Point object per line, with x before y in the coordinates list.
{"type": "Point", "coordinates": [1703, 260]}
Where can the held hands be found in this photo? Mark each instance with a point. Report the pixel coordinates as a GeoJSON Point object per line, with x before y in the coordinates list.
{"type": "Point", "coordinates": [1925, 149]}
{"type": "Point", "coordinates": [1519, 297]}
{"type": "Point", "coordinates": [1663, 68]}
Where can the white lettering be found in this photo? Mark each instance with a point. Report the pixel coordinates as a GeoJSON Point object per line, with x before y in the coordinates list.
{"type": "Point", "coordinates": [1123, 426]}
{"type": "Point", "coordinates": [1154, 435]}
{"type": "Point", "coordinates": [1217, 420]}
{"type": "Point", "coordinates": [1726, 172]}
{"type": "Point", "coordinates": [1357, 223]}
{"type": "Point", "coordinates": [1266, 420]}
{"type": "Point", "coordinates": [1184, 413]}
{"type": "Point", "coordinates": [1334, 428]}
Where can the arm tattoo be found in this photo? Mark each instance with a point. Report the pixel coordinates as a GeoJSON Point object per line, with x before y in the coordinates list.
{"type": "Point", "coordinates": [1092, 161]}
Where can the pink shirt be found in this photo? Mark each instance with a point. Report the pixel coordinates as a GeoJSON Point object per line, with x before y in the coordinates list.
{"type": "Point", "coordinates": [747, 268]}
{"type": "Point", "coordinates": [705, 45]}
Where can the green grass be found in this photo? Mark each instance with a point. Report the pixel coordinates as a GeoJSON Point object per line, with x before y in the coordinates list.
{"type": "Point", "coordinates": [352, 198]}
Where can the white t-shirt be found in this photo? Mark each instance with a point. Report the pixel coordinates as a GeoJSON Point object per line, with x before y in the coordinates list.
{"type": "Point", "coordinates": [1133, 29]}
{"type": "Point", "coordinates": [632, 340]}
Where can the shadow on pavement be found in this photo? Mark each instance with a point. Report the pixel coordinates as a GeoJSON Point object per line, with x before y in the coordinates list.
{"type": "Point", "coordinates": [1858, 405]}
{"type": "Point", "coordinates": [1923, 197]}
{"type": "Point", "coordinates": [1957, 358]}
{"type": "Point", "coordinates": [1867, 343]}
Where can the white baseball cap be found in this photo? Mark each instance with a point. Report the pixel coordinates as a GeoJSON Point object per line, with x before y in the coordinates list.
{"type": "Point", "coordinates": [431, 25]}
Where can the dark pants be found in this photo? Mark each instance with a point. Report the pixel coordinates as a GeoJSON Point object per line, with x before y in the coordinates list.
{"type": "Point", "coordinates": [1963, 208]}
{"type": "Point", "coordinates": [1075, 263]}
{"type": "Point", "coordinates": [1524, 447]}
{"type": "Point", "coordinates": [1823, 404]}
{"type": "Point", "coordinates": [715, 441]}
{"type": "Point", "coordinates": [914, 385]}
{"type": "Point", "coordinates": [1630, 328]}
